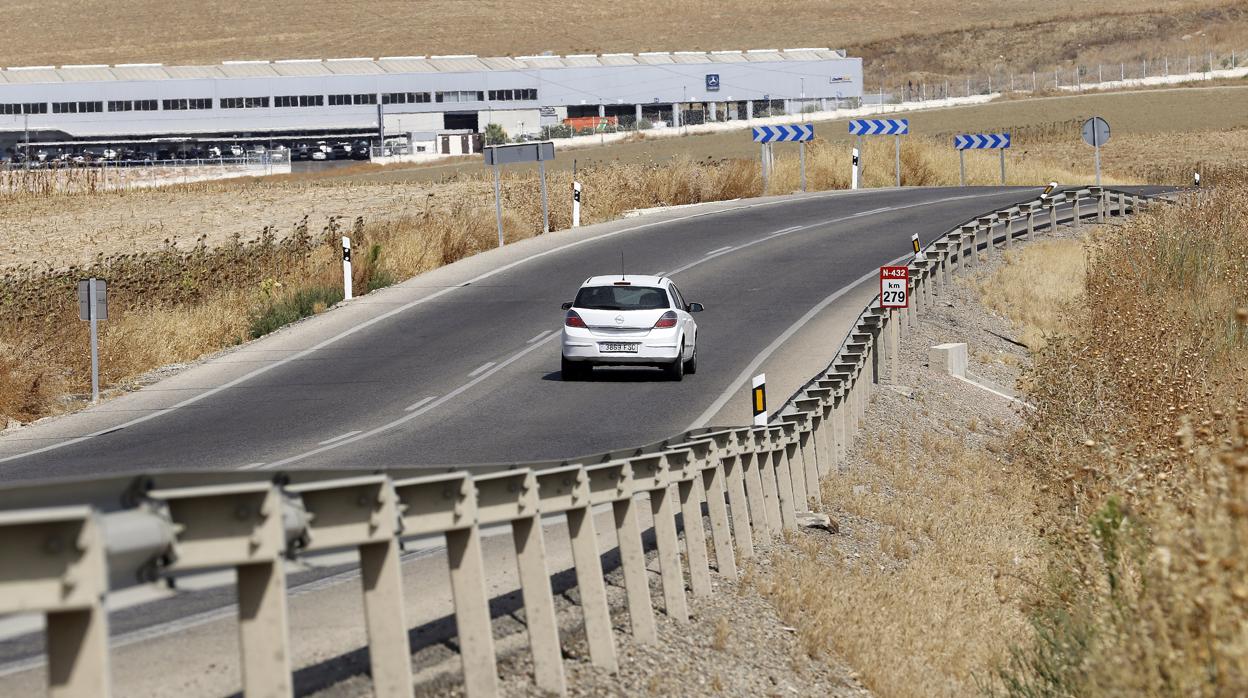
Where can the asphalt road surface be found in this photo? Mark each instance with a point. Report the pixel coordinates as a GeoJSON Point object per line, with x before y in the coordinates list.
{"type": "Point", "coordinates": [462, 366]}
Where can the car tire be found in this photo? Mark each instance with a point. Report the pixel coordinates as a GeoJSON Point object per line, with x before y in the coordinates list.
{"type": "Point", "coordinates": [691, 366]}
{"type": "Point", "coordinates": [573, 370]}
{"type": "Point", "coordinates": [676, 370]}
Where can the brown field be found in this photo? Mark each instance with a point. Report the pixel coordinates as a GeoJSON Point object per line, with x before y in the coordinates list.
{"type": "Point", "coordinates": [931, 36]}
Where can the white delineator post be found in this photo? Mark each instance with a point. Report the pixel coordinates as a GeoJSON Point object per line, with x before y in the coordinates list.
{"type": "Point", "coordinates": [853, 181]}
{"type": "Point", "coordinates": [92, 309]}
{"type": "Point", "coordinates": [576, 204]}
{"type": "Point", "coordinates": [758, 399]}
{"type": "Point", "coordinates": [346, 268]}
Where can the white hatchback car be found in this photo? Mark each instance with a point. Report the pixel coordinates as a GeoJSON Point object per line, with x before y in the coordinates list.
{"type": "Point", "coordinates": [629, 320]}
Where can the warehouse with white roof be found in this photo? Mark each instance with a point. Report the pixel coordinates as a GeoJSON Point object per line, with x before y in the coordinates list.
{"type": "Point", "coordinates": [417, 98]}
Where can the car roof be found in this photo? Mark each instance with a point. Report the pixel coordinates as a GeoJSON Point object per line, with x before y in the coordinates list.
{"type": "Point", "coordinates": [632, 279]}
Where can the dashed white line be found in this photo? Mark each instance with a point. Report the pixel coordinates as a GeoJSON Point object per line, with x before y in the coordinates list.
{"type": "Point", "coordinates": [481, 369]}
{"type": "Point", "coordinates": [719, 251]}
{"type": "Point", "coordinates": [541, 334]}
{"type": "Point", "coordinates": [420, 404]}
{"type": "Point", "coordinates": [339, 437]}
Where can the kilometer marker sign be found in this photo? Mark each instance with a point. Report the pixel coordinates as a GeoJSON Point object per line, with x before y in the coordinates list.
{"type": "Point", "coordinates": [894, 287]}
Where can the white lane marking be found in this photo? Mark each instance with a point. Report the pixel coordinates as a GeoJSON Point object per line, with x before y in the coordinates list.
{"type": "Point", "coordinates": [782, 231]}
{"type": "Point", "coordinates": [735, 387]}
{"type": "Point", "coordinates": [420, 404]}
{"type": "Point", "coordinates": [660, 273]}
{"type": "Point", "coordinates": [250, 466]}
{"type": "Point", "coordinates": [398, 310]}
{"type": "Point", "coordinates": [483, 367]}
{"type": "Point", "coordinates": [541, 334]}
{"type": "Point", "coordinates": [339, 437]}
{"type": "Point", "coordinates": [719, 251]}
{"type": "Point", "coordinates": [415, 413]}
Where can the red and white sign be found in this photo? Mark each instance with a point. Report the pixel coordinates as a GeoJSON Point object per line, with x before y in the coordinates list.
{"type": "Point", "coordinates": [894, 287]}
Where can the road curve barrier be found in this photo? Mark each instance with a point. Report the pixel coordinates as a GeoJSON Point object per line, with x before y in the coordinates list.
{"type": "Point", "coordinates": [66, 544]}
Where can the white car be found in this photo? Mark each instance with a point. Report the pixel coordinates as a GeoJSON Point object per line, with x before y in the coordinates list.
{"type": "Point", "coordinates": [630, 320]}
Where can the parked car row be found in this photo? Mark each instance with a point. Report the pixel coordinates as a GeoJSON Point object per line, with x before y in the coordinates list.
{"type": "Point", "coordinates": [133, 156]}
{"type": "Point", "coordinates": [338, 150]}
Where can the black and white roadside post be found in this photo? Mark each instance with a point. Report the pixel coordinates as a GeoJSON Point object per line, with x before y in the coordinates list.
{"type": "Point", "coordinates": [93, 307]}
{"type": "Point", "coordinates": [1096, 134]}
{"type": "Point", "coordinates": [853, 180]}
{"type": "Point", "coordinates": [758, 399]}
{"type": "Point", "coordinates": [1196, 179]}
{"type": "Point", "coordinates": [498, 155]}
{"type": "Point", "coordinates": [883, 127]}
{"type": "Point", "coordinates": [346, 268]}
{"type": "Point", "coordinates": [576, 204]}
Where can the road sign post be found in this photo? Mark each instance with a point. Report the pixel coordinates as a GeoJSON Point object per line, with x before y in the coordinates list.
{"type": "Point", "coordinates": [758, 399]}
{"type": "Point", "coordinates": [882, 127]}
{"type": "Point", "coordinates": [796, 133]}
{"type": "Point", "coordinates": [498, 155]}
{"type": "Point", "coordinates": [93, 307]}
{"type": "Point", "coordinates": [981, 141]}
{"type": "Point", "coordinates": [894, 296]}
{"type": "Point", "coordinates": [1095, 134]}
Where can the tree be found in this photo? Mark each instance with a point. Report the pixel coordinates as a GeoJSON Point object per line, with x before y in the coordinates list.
{"type": "Point", "coordinates": [495, 135]}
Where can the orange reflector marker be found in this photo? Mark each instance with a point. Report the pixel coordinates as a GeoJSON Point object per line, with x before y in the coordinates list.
{"type": "Point", "coordinates": [760, 400]}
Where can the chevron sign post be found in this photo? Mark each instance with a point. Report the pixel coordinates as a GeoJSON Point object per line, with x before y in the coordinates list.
{"type": "Point", "coordinates": [981, 141]}
{"type": "Point", "coordinates": [882, 127]}
{"type": "Point", "coordinates": [766, 135]}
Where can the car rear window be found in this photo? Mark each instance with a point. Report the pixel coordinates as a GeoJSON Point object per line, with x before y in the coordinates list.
{"type": "Point", "coordinates": [621, 298]}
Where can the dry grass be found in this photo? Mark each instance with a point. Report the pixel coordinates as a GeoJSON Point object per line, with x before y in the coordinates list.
{"type": "Point", "coordinates": [1038, 287]}
{"type": "Point", "coordinates": [938, 601]}
{"type": "Point", "coordinates": [901, 36]}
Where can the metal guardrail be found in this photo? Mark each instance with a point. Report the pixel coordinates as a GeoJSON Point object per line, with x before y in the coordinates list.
{"type": "Point", "coordinates": [65, 545]}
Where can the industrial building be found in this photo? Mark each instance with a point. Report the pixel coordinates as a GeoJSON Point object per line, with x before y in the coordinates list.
{"type": "Point", "coordinates": [434, 103]}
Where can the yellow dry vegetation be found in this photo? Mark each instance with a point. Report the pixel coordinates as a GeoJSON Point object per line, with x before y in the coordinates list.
{"type": "Point", "coordinates": [1038, 287]}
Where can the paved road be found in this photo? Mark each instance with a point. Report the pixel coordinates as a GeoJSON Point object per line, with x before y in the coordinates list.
{"type": "Point", "coordinates": [464, 368]}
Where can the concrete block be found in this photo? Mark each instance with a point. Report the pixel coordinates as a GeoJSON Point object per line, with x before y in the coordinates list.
{"type": "Point", "coordinates": [948, 357]}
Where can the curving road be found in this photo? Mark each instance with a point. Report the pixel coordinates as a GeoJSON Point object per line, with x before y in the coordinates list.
{"type": "Point", "coordinates": [461, 365]}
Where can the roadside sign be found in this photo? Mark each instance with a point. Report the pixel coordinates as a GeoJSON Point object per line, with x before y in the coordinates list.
{"type": "Point", "coordinates": [712, 82]}
{"type": "Point", "coordinates": [879, 127]}
{"type": "Point", "coordinates": [981, 141]}
{"type": "Point", "coordinates": [1095, 131]}
{"type": "Point", "coordinates": [894, 287]}
{"type": "Point", "coordinates": [796, 132]}
{"type": "Point", "coordinates": [1095, 134]}
{"type": "Point", "coordinates": [499, 155]}
{"type": "Point", "coordinates": [84, 299]}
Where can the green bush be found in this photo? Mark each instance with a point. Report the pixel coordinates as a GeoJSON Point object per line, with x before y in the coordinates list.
{"type": "Point", "coordinates": [281, 310]}
{"type": "Point", "coordinates": [644, 125]}
{"type": "Point", "coordinates": [495, 135]}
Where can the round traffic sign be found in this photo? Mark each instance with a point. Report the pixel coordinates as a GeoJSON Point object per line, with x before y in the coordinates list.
{"type": "Point", "coordinates": [1095, 131]}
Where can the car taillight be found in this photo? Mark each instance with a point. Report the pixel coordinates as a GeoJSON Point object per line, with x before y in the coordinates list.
{"type": "Point", "coordinates": [667, 319]}
{"type": "Point", "coordinates": [573, 320]}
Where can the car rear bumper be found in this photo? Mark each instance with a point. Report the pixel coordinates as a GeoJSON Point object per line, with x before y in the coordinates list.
{"type": "Point", "coordinates": [654, 348]}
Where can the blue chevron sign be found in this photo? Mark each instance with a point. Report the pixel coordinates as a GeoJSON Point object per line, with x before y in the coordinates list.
{"type": "Point", "coordinates": [879, 127]}
{"type": "Point", "coordinates": [981, 141]}
{"type": "Point", "coordinates": [796, 132]}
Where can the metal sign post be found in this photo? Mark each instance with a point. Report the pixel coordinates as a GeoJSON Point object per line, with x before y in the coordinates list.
{"type": "Point", "coordinates": [498, 155]}
{"type": "Point", "coordinates": [766, 135]}
{"type": "Point", "coordinates": [1096, 133]}
{"type": "Point", "coordinates": [93, 307]}
{"type": "Point", "coordinates": [981, 141]}
{"type": "Point", "coordinates": [883, 127]}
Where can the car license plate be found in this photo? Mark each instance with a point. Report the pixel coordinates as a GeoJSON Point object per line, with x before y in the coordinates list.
{"type": "Point", "coordinates": [623, 347]}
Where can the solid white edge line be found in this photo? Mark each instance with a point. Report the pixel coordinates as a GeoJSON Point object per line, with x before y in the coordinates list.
{"type": "Point", "coordinates": [484, 367]}
{"type": "Point", "coordinates": [250, 466]}
{"type": "Point", "coordinates": [722, 249]}
{"type": "Point", "coordinates": [420, 404]}
{"type": "Point", "coordinates": [339, 437]}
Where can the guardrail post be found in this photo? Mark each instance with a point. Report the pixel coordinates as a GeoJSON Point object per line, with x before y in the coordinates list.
{"type": "Point", "coordinates": [970, 243]}
{"type": "Point", "coordinates": [447, 504]}
{"type": "Point", "coordinates": [1007, 220]}
{"type": "Point", "coordinates": [614, 483]}
{"type": "Point", "coordinates": [685, 470]}
{"type": "Point", "coordinates": [793, 462]}
{"type": "Point", "coordinates": [759, 524]}
{"type": "Point", "coordinates": [804, 421]}
{"type": "Point", "coordinates": [1031, 222]}
{"type": "Point", "coordinates": [241, 526]}
{"type": "Point", "coordinates": [651, 477]}
{"type": "Point", "coordinates": [567, 490]}
{"type": "Point", "coordinates": [55, 562]}
{"type": "Point", "coordinates": [363, 513]}
{"type": "Point", "coordinates": [511, 497]}
{"type": "Point", "coordinates": [1074, 200]}
{"type": "Point", "coordinates": [1052, 216]}
{"type": "Point", "coordinates": [738, 505]}
{"type": "Point", "coordinates": [987, 223]}
{"type": "Point", "coordinates": [765, 466]}
{"type": "Point", "coordinates": [721, 534]}
{"type": "Point", "coordinates": [784, 479]}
